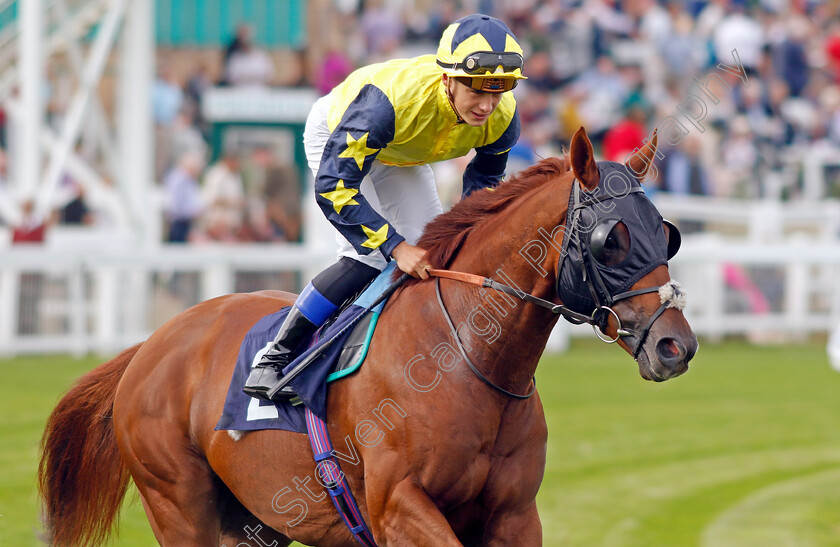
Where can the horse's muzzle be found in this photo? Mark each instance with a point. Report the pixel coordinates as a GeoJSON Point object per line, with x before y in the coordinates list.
{"type": "Point", "coordinates": [666, 357]}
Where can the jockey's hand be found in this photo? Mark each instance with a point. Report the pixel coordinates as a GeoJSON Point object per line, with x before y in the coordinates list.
{"type": "Point", "coordinates": [411, 260]}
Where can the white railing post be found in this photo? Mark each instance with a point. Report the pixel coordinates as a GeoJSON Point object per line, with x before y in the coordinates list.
{"type": "Point", "coordinates": [106, 309]}
{"type": "Point", "coordinates": [9, 291]}
{"type": "Point", "coordinates": [135, 302]}
{"type": "Point", "coordinates": [77, 314]}
{"type": "Point", "coordinates": [797, 289]}
{"type": "Point", "coordinates": [216, 280]}
{"type": "Point", "coordinates": [716, 299]}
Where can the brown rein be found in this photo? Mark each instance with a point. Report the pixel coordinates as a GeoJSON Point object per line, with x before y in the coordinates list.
{"type": "Point", "coordinates": [481, 281]}
{"type": "Point", "coordinates": [474, 280]}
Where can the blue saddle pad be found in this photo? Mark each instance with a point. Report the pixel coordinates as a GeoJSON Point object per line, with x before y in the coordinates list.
{"type": "Point", "coordinates": [244, 413]}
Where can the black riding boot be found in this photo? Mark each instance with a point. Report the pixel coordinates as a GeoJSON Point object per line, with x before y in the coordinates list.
{"type": "Point", "coordinates": [265, 374]}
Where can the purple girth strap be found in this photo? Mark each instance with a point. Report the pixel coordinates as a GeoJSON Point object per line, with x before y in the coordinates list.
{"type": "Point", "coordinates": [330, 473]}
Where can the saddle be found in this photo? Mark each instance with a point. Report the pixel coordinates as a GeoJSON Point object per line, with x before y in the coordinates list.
{"type": "Point", "coordinates": [342, 358]}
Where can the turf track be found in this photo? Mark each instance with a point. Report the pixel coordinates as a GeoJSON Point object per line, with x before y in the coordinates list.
{"type": "Point", "coordinates": [743, 450]}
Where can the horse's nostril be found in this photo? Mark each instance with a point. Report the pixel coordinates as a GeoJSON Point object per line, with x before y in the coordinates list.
{"type": "Point", "coordinates": [669, 350]}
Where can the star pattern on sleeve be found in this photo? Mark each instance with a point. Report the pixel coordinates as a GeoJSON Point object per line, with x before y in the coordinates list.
{"type": "Point", "coordinates": [375, 237]}
{"type": "Point", "coordinates": [358, 149]}
{"type": "Point", "coordinates": [341, 196]}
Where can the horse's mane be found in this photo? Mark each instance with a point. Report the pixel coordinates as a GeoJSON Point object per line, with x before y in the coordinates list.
{"type": "Point", "coordinates": [444, 235]}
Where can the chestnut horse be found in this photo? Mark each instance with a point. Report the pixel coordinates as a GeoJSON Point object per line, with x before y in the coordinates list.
{"type": "Point", "coordinates": [433, 455]}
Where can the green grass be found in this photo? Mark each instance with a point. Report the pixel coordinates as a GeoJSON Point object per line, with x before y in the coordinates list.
{"type": "Point", "coordinates": [744, 450]}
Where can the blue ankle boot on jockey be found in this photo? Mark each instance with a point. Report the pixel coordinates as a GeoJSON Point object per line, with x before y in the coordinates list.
{"type": "Point", "coordinates": [315, 305]}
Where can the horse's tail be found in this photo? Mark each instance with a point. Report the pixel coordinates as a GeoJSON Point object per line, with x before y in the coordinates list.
{"type": "Point", "coordinates": [81, 477]}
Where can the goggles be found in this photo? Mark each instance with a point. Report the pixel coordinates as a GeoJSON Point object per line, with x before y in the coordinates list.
{"type": "Point", "coordinates": [489, 85]}
{"type": "Point", "coordinates": [486, 62]}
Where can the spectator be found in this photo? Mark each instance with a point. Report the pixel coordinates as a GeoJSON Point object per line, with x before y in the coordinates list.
{"type": "Point", "coordinates": [185, 137]}
{"type": "Point", "coordinates": [75, 210]}
{"type": "Point", "coordinates": [183, 196]}
{"type": "Point", "coordinates": [684, 52]}
{"type": "Point", "coordinates": [335, 67]}
{"type": "Point", "coordinates": [283, 202]}
{"type": "Point", "coordinates": [738, 31]}
{"type": "Point", "coordinates": [831, 47]}
{"type": "Point", "coordinates": [383, 31]}
{"type": "Point", "coordinates": [541, 72]}
{"type": "Point", "coordinates": [255, 173]}
{"type": "Point", "coordinates": [627, 135]}
{"type": "Point", "coordinates": [242, 36]}
{"type": "Point", "coordinates": [198, 84]}
{"type": "Point", "coordinates": [167, 97]}
{"type": "Point", "coordinates": [224, 199]}
{"type": "Point", "coordinates": [167, 100]}
{"type": "Point", "coordinates": [740, 161]}
{"type": "Point", "coordinates": [30, 227]}
{"type": "Point", "coordinates": [790, 57]}
{"type": "Point", "coordinates": [248, 65]}
{"type": "Point", "coordinates": [603, 91]}
{"type": "Point", "coordinates": [709, 18]}
{"type": "Point", "coordinates": [684, 169]}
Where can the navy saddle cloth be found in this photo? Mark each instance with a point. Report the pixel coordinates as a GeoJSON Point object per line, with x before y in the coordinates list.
{"type": "Point", "coordinates": [244, 413]}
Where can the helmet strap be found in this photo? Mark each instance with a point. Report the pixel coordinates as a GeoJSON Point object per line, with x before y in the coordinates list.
{"type": "Point", "coordinates": [449, 80]}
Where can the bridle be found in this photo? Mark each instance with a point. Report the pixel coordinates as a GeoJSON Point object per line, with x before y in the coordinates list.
{"type": "Point", "coordinates": [671, 294]}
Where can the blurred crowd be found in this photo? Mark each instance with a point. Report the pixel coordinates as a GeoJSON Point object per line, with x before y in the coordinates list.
{"type": "Point", "coordinates": [247, 195]}
{"type": "Point", "coordinates": [730, 122]}
{"type": "Point", "coordinates": [622, 67]}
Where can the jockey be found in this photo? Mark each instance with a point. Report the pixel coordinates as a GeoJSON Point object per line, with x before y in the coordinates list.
{"type": "Point", "coordinates": [369, 143]}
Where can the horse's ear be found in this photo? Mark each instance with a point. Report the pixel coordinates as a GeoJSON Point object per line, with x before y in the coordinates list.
{"type": "Point", "coordinates": [641, 161]}
{"type": "Point", "coordinates": [583, 160]}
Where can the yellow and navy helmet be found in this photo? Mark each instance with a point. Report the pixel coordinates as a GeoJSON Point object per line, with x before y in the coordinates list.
{"type": "Point", "coordinates": [481, 52]}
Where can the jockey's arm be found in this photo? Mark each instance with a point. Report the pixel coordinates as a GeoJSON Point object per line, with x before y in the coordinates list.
{"type": "Point", "coordinates": [366, 126]}
{"type": "Point", "coordinates": [487, 168]}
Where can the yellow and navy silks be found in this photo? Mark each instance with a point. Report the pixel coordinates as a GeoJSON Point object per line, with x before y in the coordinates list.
{"type": "Point", "coordinates": [398, 112]}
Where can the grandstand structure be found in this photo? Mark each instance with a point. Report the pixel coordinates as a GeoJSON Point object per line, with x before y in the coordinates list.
{"type": "Point", "coordinates": [91, 35]}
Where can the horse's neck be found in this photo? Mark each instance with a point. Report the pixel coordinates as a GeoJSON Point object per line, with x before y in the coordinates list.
{"type": "Point", "coordinates": [516, 331]}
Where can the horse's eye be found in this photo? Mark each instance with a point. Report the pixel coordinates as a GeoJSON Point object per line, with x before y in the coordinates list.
{"type": "Point", "coordinates": [610, 242]}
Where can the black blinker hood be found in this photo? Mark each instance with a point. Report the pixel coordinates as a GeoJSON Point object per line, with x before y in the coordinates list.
{"type": "Point", "coordinates": [583, 283]}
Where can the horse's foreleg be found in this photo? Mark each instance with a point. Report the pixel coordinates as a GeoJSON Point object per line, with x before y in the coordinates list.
{"type": "Point", "coordinates": [514, 529]}
{"type": "Point", "coordinates": [409, 517]}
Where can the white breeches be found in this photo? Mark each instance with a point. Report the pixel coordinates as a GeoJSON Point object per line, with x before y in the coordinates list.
{"type": "Point", "coordinates": [405, 196]}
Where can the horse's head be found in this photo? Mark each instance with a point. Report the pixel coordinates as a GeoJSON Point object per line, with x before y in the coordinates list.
{"type": "Point", "coordinates": [614, 262]}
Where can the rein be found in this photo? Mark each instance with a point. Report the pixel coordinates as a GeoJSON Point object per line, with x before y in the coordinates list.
{"type": "Point", "coordinates": [669, 295]}
{"type": "Point", "coordinates": [469, 362]}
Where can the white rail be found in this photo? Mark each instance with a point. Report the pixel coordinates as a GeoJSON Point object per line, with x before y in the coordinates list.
{"type": "Point", "coordinates": [78, 302]}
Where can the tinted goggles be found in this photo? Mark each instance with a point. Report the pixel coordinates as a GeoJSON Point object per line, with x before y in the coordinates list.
{"type": "Point", "coordinates": [484, 62]}
{"type": "Point", "coordinates": [489, 85]}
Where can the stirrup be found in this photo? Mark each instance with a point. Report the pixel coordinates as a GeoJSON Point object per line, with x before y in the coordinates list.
{"type": "Point", "coordinates": [274, 358]}
{"type": "Point", "coordinates": [266, 374]}
{"type": "Point", "coordinates": [262, 379]}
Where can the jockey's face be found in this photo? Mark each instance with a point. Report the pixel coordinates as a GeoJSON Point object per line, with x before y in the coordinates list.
{"type": "Point", "coordinates": [473, 106]}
